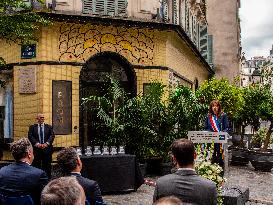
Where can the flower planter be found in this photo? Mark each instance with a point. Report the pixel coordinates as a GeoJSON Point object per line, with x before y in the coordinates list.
{"type": "Point", "coordinates": [239, 156]}
{"type": "Point", "coordinates": [261, 161]}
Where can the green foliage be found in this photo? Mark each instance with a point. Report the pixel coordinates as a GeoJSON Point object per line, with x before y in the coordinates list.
{"type": "Point", "coordinates": [259, 137]}
{"type": "Point", "coordinates": [107, 110]}
{"type": "Point", "coordinates": [18, 22]}
{"type": "Point", "coordinates": [146, 123]}
{"type": "Point", "coordinates": [255, 106]}
{"type": "Point", "coordinates": [186, 111]}
{"type": "Point", "coordinates": [206, 169]}
{"type": "Point", "coordinates": [228, 94]}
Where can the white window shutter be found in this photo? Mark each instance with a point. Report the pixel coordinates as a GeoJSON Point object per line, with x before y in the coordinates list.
{"type": "Point", "coordinates": [203, 41]}
{"type": "Point", "coordinates": [176, 11]}
{"type": "Point", "coordinates": [105, 7]}
{"type": "Point", "coordinates": [110, 7]}
{"type": "Point", "coordinates": [121, 7]}
{"type": "Point", "coordinates": [210, 49]}
{"type": "Point", "coordinates": [165, 11]}
{"type": "Point", "coordinates": [88, 6]}
{"type": "Point", "coordinates": [100, 7]}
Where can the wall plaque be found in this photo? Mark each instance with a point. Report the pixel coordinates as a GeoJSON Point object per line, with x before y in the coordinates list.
{"type": "Point", "coordinates": [61, 107]}
{"type": "Point", "coordinates": [27, 80]}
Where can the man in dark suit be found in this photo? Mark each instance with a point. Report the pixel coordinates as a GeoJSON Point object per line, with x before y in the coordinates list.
{"type": "Point", "coordinates": [185, 183]}
{"type": "Point", "coordinates": [41, 137]}
{"type": "Point", "coordinates": [71, 165]}
{"type": "Point", "coordinates": [21, 178]}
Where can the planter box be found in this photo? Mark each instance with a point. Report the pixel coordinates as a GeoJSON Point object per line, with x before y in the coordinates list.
{"type": "Point", "coordinates": [235, 195]}
{"type": "Point", "coordinates": [239, 156]}
{"type": "Point", "coordinates": [261, 161]}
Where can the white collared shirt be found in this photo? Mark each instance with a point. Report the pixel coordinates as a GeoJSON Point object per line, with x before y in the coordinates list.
{"type": "Point", "coordinates": [186, 169]}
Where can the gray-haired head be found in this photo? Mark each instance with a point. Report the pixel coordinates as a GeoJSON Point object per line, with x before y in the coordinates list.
{"type": "Point", "coordinates": [63, 191]}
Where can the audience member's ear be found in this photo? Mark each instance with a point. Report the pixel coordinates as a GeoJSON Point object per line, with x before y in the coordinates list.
{"type": "Point", "coordinates": [194, 155]}
{"type": "Point", "coordinates": [174, 161]}
{"type": "Point", "coordinates": [78, 161]}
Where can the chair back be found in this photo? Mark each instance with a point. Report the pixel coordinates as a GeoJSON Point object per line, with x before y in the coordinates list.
{"type": "Point", "coordinates": [16, 200]}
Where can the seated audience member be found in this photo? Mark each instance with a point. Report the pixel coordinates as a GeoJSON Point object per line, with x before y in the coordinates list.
{"type": "Point", "coordinates": [71, 165]}
{"type": "Point", "coordinates": [20, 178]}
{"type": "Point", "coordinates": [185, 183]}
{"type": "Point", "coordinates": [168, 200]}
{"type": "Point", "coordinates": [63, 191]}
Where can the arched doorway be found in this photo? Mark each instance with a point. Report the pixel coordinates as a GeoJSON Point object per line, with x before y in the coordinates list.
{"type": "Point", "coordinates": [94, 81]}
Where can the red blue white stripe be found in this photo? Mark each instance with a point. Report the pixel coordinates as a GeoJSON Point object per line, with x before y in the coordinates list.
{"type": "Point", "coordinates": [214, 123]}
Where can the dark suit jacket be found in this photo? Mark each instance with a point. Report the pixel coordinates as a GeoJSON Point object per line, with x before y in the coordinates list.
{"type": "Point", "coordinates": [21, 179]}
{"type": "Point", "coordinates": [187, 186]}
{"type": "Point", "coordinates": [91, 188]}
{"type": "Point", "coordinates": [33, 135]}
{"type": "Point", "coordinates": [223, 123]}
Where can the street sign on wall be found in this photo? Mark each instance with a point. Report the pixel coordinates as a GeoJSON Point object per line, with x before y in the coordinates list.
{"type": "Point", "coordinates": [28, 51]}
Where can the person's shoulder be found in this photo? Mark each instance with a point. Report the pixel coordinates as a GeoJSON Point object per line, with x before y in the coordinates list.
{"type": "Point", "coordinates": [87, 181]}
{"type": "Point", "coordinates": [166, 179]}
{"type": "Point", "coordinates": [33, 125]}
{"type": "Point", "coordinates": [47, 125]}
{"type": "Point", "coordinates": [205, 182]}
{"type": "Point", "coordinates": [6, 168]}
{"type": "Point", "coordinates": [35, 170]}
{"type": "Point", "coordinates": [223, 114]}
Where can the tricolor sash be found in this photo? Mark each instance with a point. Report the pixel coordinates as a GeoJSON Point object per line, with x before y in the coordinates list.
{"type": "Point", "coordinates": [214, 123]}
{"type": "Point", "coordinates": [216, 128]}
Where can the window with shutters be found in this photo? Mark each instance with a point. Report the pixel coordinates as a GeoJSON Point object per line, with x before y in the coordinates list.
{"type": "Point", "coordinates": [187, 18]}
{"type": "Point", "coordinates": [105, 7]}
{"type": "Point", "coordinates": [165, 11]}
{"type": "Point", "coordinates": [210, 49]}
{"type": "Point", "coordinates": [203, 41]}
{"type": "Point", "coordinates": [176, 11]}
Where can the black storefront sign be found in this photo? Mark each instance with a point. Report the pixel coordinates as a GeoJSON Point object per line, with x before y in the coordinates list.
{"type": "Point", "coordinates": [62, 107]}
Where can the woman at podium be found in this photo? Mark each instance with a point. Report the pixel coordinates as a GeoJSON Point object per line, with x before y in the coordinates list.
{"type": "Point", "coordinates": [217, 121]}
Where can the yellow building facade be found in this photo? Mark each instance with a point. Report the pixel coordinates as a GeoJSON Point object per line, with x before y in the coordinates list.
{"type": "Point", "coordinates": [152, 52]}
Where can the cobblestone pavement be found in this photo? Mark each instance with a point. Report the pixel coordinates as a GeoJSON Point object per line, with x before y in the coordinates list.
{"type": "Point", "coordinates": [259, 183]}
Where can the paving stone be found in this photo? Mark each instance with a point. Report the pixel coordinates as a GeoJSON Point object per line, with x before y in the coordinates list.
{"type": "Point", "coordinates": [259, 184]}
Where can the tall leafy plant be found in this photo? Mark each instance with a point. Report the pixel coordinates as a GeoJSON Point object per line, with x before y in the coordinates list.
{"type": "Point", "coordinates": [107, 109]}
{"type": "Point", "coordinates": [267, 104]}
{"type": "Point", "coordinates": [186, 111]}
{"type": "Point", "coordinates": [228, 94]}
{"type": "Point", "coordinates": [146, 122]}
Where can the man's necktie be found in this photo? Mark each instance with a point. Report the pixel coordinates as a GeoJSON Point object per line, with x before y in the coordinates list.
{"type": "Point", "coordinates": [41, 134]}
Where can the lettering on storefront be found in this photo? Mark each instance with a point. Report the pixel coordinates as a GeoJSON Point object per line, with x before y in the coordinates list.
{"type": "Point", "coordinates": [61, 106]}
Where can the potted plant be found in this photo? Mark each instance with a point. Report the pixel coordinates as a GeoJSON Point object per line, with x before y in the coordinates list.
{"type": "Point", "coordinates": [232, 100]}
{"type": "Point", "coordinates": [262, 158]}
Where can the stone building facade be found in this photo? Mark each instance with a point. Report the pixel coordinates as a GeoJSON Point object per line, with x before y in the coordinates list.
{"type": "Point", "coordinates": [77, 49]}
{"type": "Point", "coordinates": [224, 24]}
